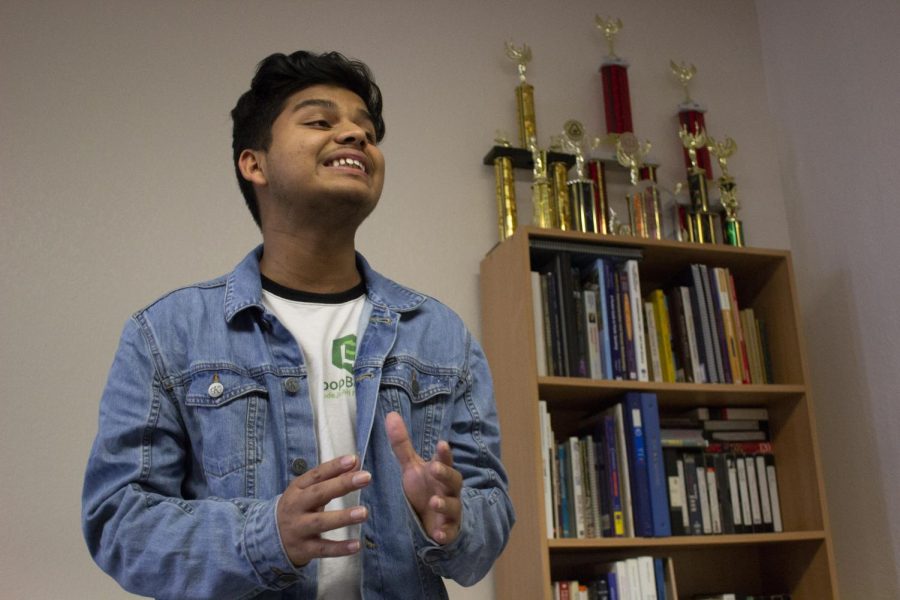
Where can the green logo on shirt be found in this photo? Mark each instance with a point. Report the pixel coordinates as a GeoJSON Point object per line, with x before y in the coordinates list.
{"type": "Point", "coordinates": [343, 352]}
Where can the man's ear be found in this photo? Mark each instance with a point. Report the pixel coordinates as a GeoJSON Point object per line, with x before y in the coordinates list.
{"type": "Point", "coordinates": [252, 166]}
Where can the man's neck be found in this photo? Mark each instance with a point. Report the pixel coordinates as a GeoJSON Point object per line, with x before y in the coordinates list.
{"type": "Point", "coordinates": [311, 262]}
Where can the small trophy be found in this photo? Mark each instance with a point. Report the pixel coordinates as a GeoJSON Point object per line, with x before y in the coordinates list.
{"type": "Point", "coordinates": [524, 94]}
{"type": "Point", "coordinates": [630, 153]}
{"type": "Point", "coordinates": [506, 191]}
{"type": "Point", "coordinates": [734, 229]}
{"type": "Point", "coordinates": [541, 198]}
{"type": "Point", "coordinates": [581, 189]}
{"type": "Point", "coordinates": [614, 75]}
{"type": "Point", "coordinates": [691, 114]}
{"type": "Point", "coordinates": [702, 223]}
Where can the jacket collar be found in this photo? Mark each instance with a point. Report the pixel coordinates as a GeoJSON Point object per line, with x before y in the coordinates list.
{"type": "Point", "coordinates": [243, 288]}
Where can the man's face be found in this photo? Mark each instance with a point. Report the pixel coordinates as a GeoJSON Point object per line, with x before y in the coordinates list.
{"type": "Point", "coordinates": [323, 162]}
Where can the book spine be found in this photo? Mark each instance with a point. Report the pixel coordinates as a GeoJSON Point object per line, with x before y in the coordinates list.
{"type": "Point", "coordinates": [692, 338]}
{"type": "Point", "coordinates": [753, 487]}
{"type": "Point", "coordinates": [711, 291]}
{"type": "Point", "coordinates": [577, 495]}
{"type": "Point", "coordinates": [664, 334]}
{"type": "Point", "coordinates": [627, 326]}
{"type": "Point", "coordinates": [592, 333]}
{"type": "Point", "coordinates": [772, 478]}
{"type": "Point", "coordinates": [647, 577]}
{"type": "Point", "coordinates": [705, 512]}
{"type": "Point", "coordinates": [738, 329]}
{"type": "Point", "coordinates": [692, 485]}
{"type": "Point", "coordinates": [678, 514]}
{"type": "Point", "coordinates": [614, 309]}
{"type": "Point", "coordinates": [537, 309]}
{"type": "Point", "coordinates": [564, 493]}
{"type": "Point", "coordinates": [614, 479]}
{"type": "Point", "coordinates": [637, 463]}
{"type": "Point", "coordinates": [684, 369]}
{"type": "Point", "coordinates": [556, 327]}
{"type": "Point", "coordinates": [701, 314]}
{"type": "Point", "coordinates": [734, 493]}
{"type": "Point", "coordinates": [712, 489]}
{"type": "Point", "coordinates": [624, 470]}
{"type": "Point", "coordinates": [765, 501]}
{"type": "Point", "coordinates": [734, 360]}
{"type": "Point", "coordinates": [637, 311]}
{"type": "Point", "coordinates": [546, 445]}
{"type": "Point", "coordinates": [656, 471]}
{"type": "Point", "coordinates": [606, 338]}
{"type": "Point", "coordinates": [652, 343]}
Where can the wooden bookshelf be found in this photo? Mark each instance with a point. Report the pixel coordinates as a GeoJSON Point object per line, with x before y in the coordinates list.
{"type": "Point", "coordinates": [799, 560]}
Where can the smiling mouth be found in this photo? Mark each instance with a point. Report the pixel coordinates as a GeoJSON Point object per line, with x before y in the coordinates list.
{"type": "Point", "coordinates": [347, 162]}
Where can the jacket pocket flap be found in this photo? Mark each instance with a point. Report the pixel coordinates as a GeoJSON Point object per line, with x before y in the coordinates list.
{"type": "Point", "coordinates": [219, 387]}
{"type": "Point", "coordinates": [418, 384]}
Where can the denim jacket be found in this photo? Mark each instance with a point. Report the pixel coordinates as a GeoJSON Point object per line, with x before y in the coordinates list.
{"type": "Point", "coordinates": [182, 483]}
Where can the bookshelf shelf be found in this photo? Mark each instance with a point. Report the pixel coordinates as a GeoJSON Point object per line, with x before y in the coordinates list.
{"type": "Point", "coordinates": [799, 560]}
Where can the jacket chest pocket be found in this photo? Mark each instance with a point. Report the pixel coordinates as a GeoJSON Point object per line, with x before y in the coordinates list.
{"type": "Point", "coordinates": [227, 411]}
{"type": "Point", "coordinates": [422, 397]}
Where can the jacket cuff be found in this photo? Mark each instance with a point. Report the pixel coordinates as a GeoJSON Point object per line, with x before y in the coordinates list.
{"type": "Point", "coordinates": [262, 541]}
{"type": "Point", "coordinates": [432, 553]}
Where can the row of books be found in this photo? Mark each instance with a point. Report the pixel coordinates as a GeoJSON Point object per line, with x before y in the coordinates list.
{"type": "Point", "coordinates": [629, 477]}
{"type": "Point", "coordinates": [732, 596]}
{"type": "Point", "coordinates": [640, 578]}
{"type": "Point", "coordinates": [592, 320]}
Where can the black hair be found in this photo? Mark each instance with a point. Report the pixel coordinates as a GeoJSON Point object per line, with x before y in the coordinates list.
{"type": "Point", "coordinates": [277, 78]}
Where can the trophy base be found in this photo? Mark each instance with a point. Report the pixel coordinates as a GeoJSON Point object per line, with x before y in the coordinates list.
{"type": "Point", "coordinates": [734, 233]}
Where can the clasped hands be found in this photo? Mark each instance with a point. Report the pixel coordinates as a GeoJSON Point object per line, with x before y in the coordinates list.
{"type": "Point", "coordinates": [431, 487]}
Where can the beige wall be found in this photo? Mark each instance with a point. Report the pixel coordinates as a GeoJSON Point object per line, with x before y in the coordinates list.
{"type": "Point", "coordinates": [116, 185]}
{"type": "Point", "coordinates": [834, 85]}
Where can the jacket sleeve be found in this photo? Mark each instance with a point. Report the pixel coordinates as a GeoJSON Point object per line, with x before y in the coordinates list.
{"type": "Point", "coordinates": [137, 525]}
{"type": "Point", "coordinates": [487, 512]}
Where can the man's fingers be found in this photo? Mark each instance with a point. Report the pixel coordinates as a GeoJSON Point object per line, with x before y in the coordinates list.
{"type": "Point", "coordinates": [449, 478]}
{"type": "Point", "coordinates": [327, 470]}
{"type": "Point", "coordinates": [443, 454]}
{"type": "Point", "coordinates": [399, 438]}
{"type": "Point", "coordinates": [448, 506]}
{"type": "Point", "coordinates": [316, 495]}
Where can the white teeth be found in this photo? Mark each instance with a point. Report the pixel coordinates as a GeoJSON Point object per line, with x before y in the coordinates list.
{"type": "Point", "coordinates": [349, 162]}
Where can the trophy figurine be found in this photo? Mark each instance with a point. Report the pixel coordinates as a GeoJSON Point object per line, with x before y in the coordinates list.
{"type": "Point", "coordinates": [581, 188]}
{"type": "Point", "coordinates": [506, 191]}
{"type": "Point", "coordinates": [691, 114]}
{"type": "Point", "coordinates": [541, 198]}
{"type": "Point", "coordinates": [630, 153]}
{"type": "Point", "coordinates": [684, 73]}
{"type": "Point", "coordinates": [702, 220]}
{"type": "Point", "coordinates": [609, 28]}
{"type": "Point", "coordinates": [524, 94]}
{"type": "Point", "coordinates": [734, 230]}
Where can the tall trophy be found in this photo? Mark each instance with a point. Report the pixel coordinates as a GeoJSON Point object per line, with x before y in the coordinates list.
{"type": "Point", "coordinates": [734, 229]}
{"type": "Point", "coordinates": [614, 74]}
{"type": "Point", "coordinates": [541, 198]}
{"type": "Point", "coordinates": [581, 189]}
{"type": "Point", "coordinates": [691, 114]}
{"type": "Point", "coordinates": [524, 94]}
{"type": "Point", "coordinates": [630, 153]}
{"type": "Point", "coordinates": [652, 203]}
{"type": "Point", "coordinates": [507, 220]}
{"type": "Point", "coordinates": [702, 228]}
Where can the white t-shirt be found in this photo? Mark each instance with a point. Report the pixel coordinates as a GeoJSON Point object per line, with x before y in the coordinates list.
{"type": "Point", "coordinates": [326, 327]}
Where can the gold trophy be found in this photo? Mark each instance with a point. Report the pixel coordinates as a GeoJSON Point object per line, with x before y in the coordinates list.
{"type": "Point", "coordinates": [734, 229]}
{"type": "Point", "coordinates": [702, 221]}
{"type": "Point", "coordinates": [609, 28]}
{"type": "Point", "coordinates": [684, 73]}
{"type": "Point", "coordinates": [541, 199]}
{"type": "Point", "coordinates": [506, 191]}
{"type": "Point", "coordinates": [524, 94]}
{"type": "Point", "coordinates": [581, 188]}
{"type": "Point", "coordinates": [630, 153]}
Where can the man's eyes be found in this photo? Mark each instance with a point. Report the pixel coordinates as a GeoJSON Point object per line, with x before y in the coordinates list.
{"type": "Point", "coordinates": [319, 123]}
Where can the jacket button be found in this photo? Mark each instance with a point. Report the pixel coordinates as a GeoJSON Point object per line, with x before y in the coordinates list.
{"type": "Point", "coordinates": [292, 385]}
{"type": "Point", "coordinates": [215, 389]}
{"type": "Point", "coordinates": [415, 385]}
{"type": "Point", "coordinates": [298, 466]}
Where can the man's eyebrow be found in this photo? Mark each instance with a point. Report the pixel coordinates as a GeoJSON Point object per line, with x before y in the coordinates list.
{"type": "Point", "coordinates": [314, 102]}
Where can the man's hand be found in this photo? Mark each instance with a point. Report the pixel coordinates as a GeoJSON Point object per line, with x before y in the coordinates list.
{"type": "Point", "coordinates": [301, 516]}
{"type": "Point", "coordinates": [433, 487]}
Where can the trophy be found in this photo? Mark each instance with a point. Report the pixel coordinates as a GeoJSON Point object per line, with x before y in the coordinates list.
{"type": "Point", "coordinates": [506, 191]}
{"type": "Point", "coordinates": [614, 74]}
{"type": "Point", "coordinates": [559, 174]}
{"type": "Point", "coordinates": [702, 221]}
{"type": "Point", "coordinates": [734, 230]}
{"type": "Point", "coordinates": [652, 200]}
{"type": "Point", "coordinates": [581, 189]}
{"type": "Point", "coordinates": [524, 94]}
{"type": "Point", "coordinates": [541, 199]}
{"type": "Point", "coordinates": [630, 153]}
{"type": "Point", "coordinates": [691, 114]}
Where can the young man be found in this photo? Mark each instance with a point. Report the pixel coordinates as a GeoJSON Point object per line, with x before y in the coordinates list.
{"type": "Point", "coordinates": [301, 427]}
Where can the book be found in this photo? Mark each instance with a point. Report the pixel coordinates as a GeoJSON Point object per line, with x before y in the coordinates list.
{"type": "Point", "coordinates": [712, 489]}
{"type": "Point", "coordinates": [637, 311]}
{"type": "Point", "coordinates": [592, 333]}
{"type": "Point", "coordinates": [546, 459]}
{"type": "Point", "coordinates": [652, 343]}
{"type": "Point", "coordinates": [753, 488]}
{"type": "Point", "coordinates": [731, 340]}
{"type": "Point", "coordinates": [684, 369]}
{"type": "Point", "coordinates": [692, 488]}
{"type": "Point", "coordinates": [765, 500]}
{"type": "Point", "coordinates": [576, 487]}
{"type": "Point", "coordinates": [701, 319]}
{"type": "Point", "coordinates": [717, 323]}
{"type": "Point", "coordinates": [599, 270]}
{"type": "Point", "coordinates": [678, 512]}
{"type": "Point", "coordinates": [699, 371]}
{"type": "Point", "coordinates": [772, 479]}
{"type": "Point", "coordinates": [638, 465]}
{"type": "Point", "coordinates": [705, 510]}
{"type": "Point", "coordinates": [738, 330]}
{"type": "Point", "coordinates": [537, 306]}
{"type": "Point", "coordinates": [613, 479]}
{"type": "Point", "coordinates": [664, 334]}
{"type": "Point", "coordinates": [566, 516]}
{"type": "Point", "coordinates": [647, 577]}
{"type": "Point", "coordinates": [628, 344]}
{"type": "Point", "coordinates": [616, 333]}
{"type": "Point", "coordinates": [624, 472]}
{"type": "Point", "coordinates": [656, 470]}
